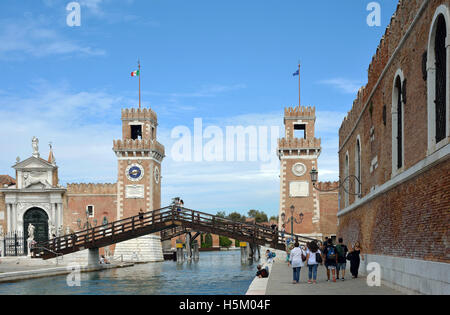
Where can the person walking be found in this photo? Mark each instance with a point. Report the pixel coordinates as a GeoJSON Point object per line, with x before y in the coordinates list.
{"type": "Point", "coordinates": [342, 251]}
{"type": "Point", "coordinates": [296, 260]}
{"type": "Point", "coordinates": [354, 257]}
{"type": "Point", "coordinates": [330, 259]}
{"type": "Point", "coordinates": [313, 258]}
{"type": "Point", "coordinates": [141, 216]}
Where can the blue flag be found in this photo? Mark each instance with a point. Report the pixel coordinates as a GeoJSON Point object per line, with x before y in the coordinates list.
{"type": "Point", "coordinates": [296, 73]}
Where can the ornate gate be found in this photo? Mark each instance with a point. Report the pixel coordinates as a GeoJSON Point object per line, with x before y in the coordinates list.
{"type": "Point", "coordinates": [39, 219]}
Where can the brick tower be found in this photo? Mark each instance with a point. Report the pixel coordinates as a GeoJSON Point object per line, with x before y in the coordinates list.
{"type": "Point", "coordinates": [298, 152]}
{"type": "Point", "coordinates": [139, 157]}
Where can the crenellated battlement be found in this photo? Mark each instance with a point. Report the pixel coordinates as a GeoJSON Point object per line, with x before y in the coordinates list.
{"type": "Point", "coordinates": [327, 185]}
{"type": "Point", "coordinates": [300, 112]}
{"type": "Point", "coordinates": [299, 143]}
{"type": "Point", "coordinates": [400, 22]}
{"type": "Point", "coordinates": [138, 145]}
{"type": "Point", "coordinates": [139, 114]}
{"type": "Point", "coordinates": [97, 189]}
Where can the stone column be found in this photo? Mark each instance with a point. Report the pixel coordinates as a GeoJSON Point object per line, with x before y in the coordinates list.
{"type": "Point", "coordinates": [54, 215]}
{"type": "Point", "coordinates": [9, 217]}
{"type": "Point", "coordinates": [93, 257]}
{"type": "Point", "coordinates": [14, 217]}
{"type": "Point", "coordinates": [244, 253]}
{"type": "Point", "coordinates": [180, 254]}
{"type": "Point", "coordinates": [188, 246]}
{"type": "Point", "coordinates": [60, 214]}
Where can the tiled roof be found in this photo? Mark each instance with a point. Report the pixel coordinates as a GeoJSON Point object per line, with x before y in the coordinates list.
{"type": "Point", "coordinates": [6, 180]}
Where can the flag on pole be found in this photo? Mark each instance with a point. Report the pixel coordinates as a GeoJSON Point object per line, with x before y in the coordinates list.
{"type": "Point", "coordinates": [296, 73]}
{"type": "Point", "coordinates": [135, 73]}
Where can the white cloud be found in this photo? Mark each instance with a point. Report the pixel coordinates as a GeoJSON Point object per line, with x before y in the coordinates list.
{"type": "Point", "coordinates": [33, 37]}
{"type": "Point", "coordinates": [344, 85]}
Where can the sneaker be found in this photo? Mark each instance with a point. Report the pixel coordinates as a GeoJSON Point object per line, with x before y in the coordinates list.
{"type": "Point", "coordinates": [334, 279]}
{"type": "Point", "coordinates": [309, 281]}
{"type": "Point", "coordinates": [343, 279]}
{"type": "Point", "coordinates": [315, 282]}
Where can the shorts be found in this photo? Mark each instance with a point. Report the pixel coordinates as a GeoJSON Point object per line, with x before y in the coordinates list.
{"type": "Point", "coordinates": [341, 266]}
{"type": "Point", "coordinates": [331, 267]}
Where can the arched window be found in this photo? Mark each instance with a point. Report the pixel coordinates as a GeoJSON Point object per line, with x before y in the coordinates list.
{"type": "Point", "coordinates": [358, 166]}
{"type": "Point", "coordinates": [437, 77]}
{"type": "Point", "coordinates": [346, 183]}
{"type": "Point", "coordinates": [441, 78]}
{"type": "Point", "coordinates": [398, 123]}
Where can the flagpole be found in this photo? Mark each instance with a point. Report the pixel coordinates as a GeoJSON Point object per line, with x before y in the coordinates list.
{"type": "Point", "coordinates": [299, 86]}
{"type": "Point", "coordinates": [139, 66]}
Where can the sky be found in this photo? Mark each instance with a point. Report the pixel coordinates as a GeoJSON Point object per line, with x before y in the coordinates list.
{"type": "Point", "coordinates": [223, 63]}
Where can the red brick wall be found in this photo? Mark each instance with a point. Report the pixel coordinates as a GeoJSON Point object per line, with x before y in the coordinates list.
{"type": "Point", "coordinates": [411, 220]}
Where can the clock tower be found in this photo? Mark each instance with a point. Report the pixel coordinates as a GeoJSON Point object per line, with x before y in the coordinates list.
{"type": "Point", "coordinates": [139, 157]}
{"type": "Point", "coordinates": [298, 152]}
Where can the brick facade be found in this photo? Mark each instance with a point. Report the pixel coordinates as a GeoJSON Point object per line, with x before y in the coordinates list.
{"type": "Point", "coordinates": [402, 212]}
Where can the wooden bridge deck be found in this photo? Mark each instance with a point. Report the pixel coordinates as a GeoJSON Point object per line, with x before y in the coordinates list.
{"type": "Point", "coordinates": [171, 221]}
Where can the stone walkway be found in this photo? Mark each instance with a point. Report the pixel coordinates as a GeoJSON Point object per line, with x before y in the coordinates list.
{"type": "Point", "coordinates": [280, 283]}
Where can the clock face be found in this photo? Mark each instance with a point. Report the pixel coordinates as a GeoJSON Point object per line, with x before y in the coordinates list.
{"type": "Point", "coordinates": [135, 172]}
{"type": "Point", "coordinates": [299, 169]}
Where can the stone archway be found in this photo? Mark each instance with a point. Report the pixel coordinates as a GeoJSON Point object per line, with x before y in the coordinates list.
{"type": "Point", "coordinates": [39, 219]}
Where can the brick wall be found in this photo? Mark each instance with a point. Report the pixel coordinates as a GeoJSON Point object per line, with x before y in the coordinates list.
{"type": "Point", "coordinates": [411, 221]}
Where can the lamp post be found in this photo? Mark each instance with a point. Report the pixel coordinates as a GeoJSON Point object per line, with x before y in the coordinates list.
{"type": "Point", "coordinates": [292, 220]}
{"type": "Point", "coordinates": [314, 177]}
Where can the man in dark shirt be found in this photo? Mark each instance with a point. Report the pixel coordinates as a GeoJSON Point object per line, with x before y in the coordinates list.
{"type": "Point", "coordinates": [341, 251]}
{"type": "Point", "coordinates": [330, 255]}
{"type": "Point", "coordinates": [262, 273]}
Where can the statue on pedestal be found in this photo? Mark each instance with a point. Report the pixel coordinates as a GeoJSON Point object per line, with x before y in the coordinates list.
{"type": "Point", "coordinates": [35, 145]}
{"type": "Point", "coordinates": [30, 240]}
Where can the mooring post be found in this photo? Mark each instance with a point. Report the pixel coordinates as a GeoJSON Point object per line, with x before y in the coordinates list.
{"type": "Point", "coordinates": [188, 247]}
{"type": "Point", "coordinates": [180, 254]}
{"type": "Point", "coordinates": [196, 250]}
{"type": "Point", "coordinates": [244, 252]}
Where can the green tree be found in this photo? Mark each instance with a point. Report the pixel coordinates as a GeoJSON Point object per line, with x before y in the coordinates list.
{"type": "Point", "coordinates": [221, 214]}
{"type": "Point", "coordinates": [274, 218]}
{"type": "Point", "coordinates": [224, 241]}
{"type": "Point", "coordinates": [207, 241]}
{"type": "Point", "coordinates": [259, 216]}
{"type": "Point", "coordinates": [236, 217]}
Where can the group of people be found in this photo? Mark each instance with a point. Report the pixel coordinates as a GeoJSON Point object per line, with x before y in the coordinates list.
{"type": "Point", "coordinates": [334, 257]}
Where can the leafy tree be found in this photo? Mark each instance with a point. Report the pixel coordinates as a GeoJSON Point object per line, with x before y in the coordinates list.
{"type": "Point", "coordinates": [221, 214]}
{"type": "Point", "coordinates": [224, 241]}
{"type": "Point", "coordinates": [236, 217]}
{"type": "Point", "coordinates": [274, 218]}
{"type": "Point", "coordinates": [208, 242]}
{"type": "Point", "coordinates": [259, 216]}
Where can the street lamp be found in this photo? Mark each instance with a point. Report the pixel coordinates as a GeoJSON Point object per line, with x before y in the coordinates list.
{"type": "Point", "coordinates": [292, 219]}
{"type": "Point", "coordinates": [314, 177]}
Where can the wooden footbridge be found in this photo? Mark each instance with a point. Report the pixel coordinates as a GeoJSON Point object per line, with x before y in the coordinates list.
{"type": "Point", "coordinates": [170, 221]}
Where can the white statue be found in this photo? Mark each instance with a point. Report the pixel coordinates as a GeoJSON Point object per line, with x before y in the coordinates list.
{"type": "Point", "coordinates": [67, 230]}
{"type": "Point", "coordinates": [31, 229]}
{"type": "Point", "coordinates": [30, 181]}
{"type": "Point", "coordinates": [1, 230]}
{"type": "Point", "coordinates": [35, 145]}
{"type": "Point", "coordinates": [51, 229]}
{"type": "Point", "coordinates": [60, 231]}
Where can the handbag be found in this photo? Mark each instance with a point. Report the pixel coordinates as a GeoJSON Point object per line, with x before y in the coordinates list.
{"type": "Point", "coordinates": [303, 256]}
{"type": "Point", "coordinates": [318, 258]}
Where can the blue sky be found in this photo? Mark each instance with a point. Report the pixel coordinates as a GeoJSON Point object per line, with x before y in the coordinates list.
{"type": "Point", "coordinates": [227, 62]}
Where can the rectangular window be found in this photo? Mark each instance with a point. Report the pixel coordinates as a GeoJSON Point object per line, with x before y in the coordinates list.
{"type": "Point", "coordinates": [300, 131]}
{"type": "Point", "coordinates": [136, 132]}
{"type": "Point", "coordinates": [90, 211]}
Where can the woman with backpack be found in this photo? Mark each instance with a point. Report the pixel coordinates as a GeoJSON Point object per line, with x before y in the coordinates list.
{"type": "Point", "coordinates": [313, 258]}
{"type": "Point", "coordinates": [296, 259]}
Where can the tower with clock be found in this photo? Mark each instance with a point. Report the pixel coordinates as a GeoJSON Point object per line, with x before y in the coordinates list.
{"type": "Point", "coordinates": [298, 152]}
{"type": "Point", "coordinates": [139, 156]}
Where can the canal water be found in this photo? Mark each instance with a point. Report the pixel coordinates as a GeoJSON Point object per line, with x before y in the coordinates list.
{"type": "Point", "coordinates": [216, 273]}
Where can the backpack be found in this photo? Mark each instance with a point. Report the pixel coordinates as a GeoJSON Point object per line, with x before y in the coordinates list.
{"type": "Point", "coordinates": [274, 255]}
{"type": "Point", "coordinates": [340, 250]}
{"type": "Point", "coordinates": [318, 258]}
{"type": "Point", "coordinates": [331, 253]}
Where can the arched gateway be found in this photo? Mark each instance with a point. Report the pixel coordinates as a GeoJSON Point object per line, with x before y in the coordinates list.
{"type": "Point", "coordinates": [39, 219]}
